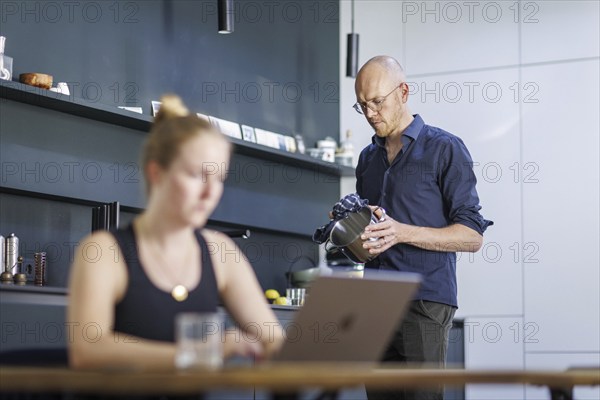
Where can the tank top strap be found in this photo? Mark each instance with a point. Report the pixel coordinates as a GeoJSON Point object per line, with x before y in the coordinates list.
{"type": "Point", "coordinates": [208, 282]}
{"type": "Point", "coordinates": [125, 238]}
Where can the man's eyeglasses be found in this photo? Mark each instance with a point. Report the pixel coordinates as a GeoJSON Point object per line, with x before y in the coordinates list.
{"type": "Point", "coordinates": [374, 105]}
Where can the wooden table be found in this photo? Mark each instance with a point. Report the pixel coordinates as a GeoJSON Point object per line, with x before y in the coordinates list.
{"type": "Point", "coordinates": [280, 378]}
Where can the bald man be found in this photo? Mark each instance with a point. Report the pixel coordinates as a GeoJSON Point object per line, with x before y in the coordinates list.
{"type": "Point", "coordinates": [422, 176]}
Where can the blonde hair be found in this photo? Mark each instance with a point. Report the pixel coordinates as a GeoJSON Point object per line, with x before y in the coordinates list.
{"type": "Point", "coordinates": [173, 126]}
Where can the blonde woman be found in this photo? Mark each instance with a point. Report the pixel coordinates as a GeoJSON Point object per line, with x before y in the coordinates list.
{"type": "Point", "coordinates": [124, 297]}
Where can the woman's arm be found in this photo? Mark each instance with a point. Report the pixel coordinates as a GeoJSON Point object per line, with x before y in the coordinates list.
{"type": "Point", "coordinates": [243, 298]}
{"type": "Point", "coordinates": [98, 280]}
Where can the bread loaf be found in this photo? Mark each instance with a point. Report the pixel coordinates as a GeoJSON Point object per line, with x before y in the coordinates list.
{"type": "Point", "coordinates": [43, 81]}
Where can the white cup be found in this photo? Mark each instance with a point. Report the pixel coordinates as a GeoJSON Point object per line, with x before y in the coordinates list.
{"type": "Point", "coordinates": [198, 339]}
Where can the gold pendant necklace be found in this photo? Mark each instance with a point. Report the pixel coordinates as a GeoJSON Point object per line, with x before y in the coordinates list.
{"type": "Point", "coordinates": [179, 293]}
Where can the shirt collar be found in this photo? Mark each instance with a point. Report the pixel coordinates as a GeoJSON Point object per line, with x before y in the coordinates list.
{"type": "Point", "coordinates": [410, 134]}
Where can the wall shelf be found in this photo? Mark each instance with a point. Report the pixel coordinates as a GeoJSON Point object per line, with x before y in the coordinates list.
{"type": "Point", "coordinates": [30, 288]}
{"type": "Point", "coordinates": [86, 109]}
{"type": "Point", "coordinates": [219, 225]}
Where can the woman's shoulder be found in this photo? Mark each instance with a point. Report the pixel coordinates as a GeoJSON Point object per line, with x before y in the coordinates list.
{"type": "Point", "coordinates": [212, 236]}
{"type": "Point", "coordinates": [99, 248]}
{"type": "Point", "coordinates": [98, 239]}
{"type": "Point", "coordinates": [99, 270]}
{"type": "Point", "coordinates": [222, 249]}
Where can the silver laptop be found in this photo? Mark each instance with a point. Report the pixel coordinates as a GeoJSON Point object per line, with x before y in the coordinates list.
{"type": "Point", "coordinates": [348, 319]}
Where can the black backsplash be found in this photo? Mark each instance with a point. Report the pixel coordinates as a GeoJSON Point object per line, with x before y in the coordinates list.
{"type": "Point", "coordinates": [57, 227]}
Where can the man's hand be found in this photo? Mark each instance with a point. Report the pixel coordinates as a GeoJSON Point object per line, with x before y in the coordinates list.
{"type": "Point", "coordinates": [452, 238]}
{"type": "Point", "coordinates": [388, 233]}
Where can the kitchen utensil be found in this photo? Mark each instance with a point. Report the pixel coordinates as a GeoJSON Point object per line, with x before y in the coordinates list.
{"type": "Point", "coordinates": [20, 278]}
{"type": "Point", "coordinates": [11, 253]}
{"type": "Point", "coordinates": [40, 268]}
{"type": "Point", "coordinates": [346, 232]}
{"type": "Point", "coordinates": [302, 278]}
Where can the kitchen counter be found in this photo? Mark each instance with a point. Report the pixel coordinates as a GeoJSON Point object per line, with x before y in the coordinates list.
{"type": "Point", "coordinates": [11, 290]}
{"type": "Point", "coordinates": [33, 289]}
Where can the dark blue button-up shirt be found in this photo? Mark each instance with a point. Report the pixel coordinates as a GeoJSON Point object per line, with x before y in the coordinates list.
{"type": "Point", "coordinates": [430, 183]}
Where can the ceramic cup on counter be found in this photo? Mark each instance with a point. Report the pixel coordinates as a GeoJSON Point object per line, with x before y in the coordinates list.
{"type": "Point", "coordinates": [199, 340]}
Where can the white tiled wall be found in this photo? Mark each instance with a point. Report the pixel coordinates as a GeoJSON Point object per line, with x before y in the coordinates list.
{"type": "Point", "coordinates": [542, 134]}
{"type": "Point", "coordinates": [388, 29]}
{"type": "Point", "coordinates": [494, 343]}
{"type": "Point", "coordinates": [448, 36]}
{"type": "Point", "coordinates": [561, 212]}
{"type": "Point", "coordinates": [560, 30]}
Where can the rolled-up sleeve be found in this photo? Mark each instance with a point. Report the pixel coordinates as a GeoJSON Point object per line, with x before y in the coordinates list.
{"type": "Point", "coordinates": [457, 182]}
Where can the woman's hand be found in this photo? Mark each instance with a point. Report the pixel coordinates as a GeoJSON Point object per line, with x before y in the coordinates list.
{"type": "Point", "coordinates": [237, 343]}
{"type": "Point", "coordinates": [248, 344]}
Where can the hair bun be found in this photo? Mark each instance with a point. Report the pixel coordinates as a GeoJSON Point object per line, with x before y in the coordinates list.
{"type": "Point", "coordinates": [171, 107]}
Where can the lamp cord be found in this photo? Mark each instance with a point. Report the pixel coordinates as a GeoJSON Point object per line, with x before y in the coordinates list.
{"type": "Point", "coordinates": [352, 5]}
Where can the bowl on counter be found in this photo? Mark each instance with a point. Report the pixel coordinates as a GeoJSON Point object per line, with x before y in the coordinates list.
{"type": "Point", "coordinates": [357, 271]}
{"type": "Point", "coordinates": [303, 278]}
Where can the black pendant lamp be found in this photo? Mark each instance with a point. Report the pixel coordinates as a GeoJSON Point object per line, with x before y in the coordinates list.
{"type": "Point", "coordinates": [352, 51]}
{"type": "Point", "coordinates": [225, 10]}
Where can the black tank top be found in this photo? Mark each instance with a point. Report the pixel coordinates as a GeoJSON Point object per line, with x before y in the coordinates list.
{"type": "Point", "coordinates": [148, 312]}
